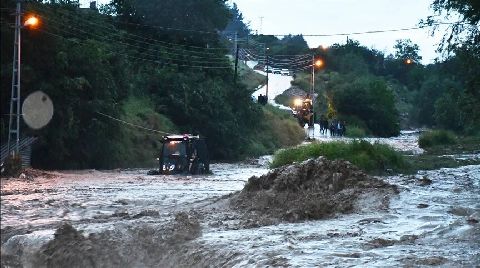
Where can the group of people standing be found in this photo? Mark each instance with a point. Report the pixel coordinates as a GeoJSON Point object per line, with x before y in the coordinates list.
{"type": "Point", "coordinates": [262, 99]}
{"type": "Point", "coordinates": [336, 127]}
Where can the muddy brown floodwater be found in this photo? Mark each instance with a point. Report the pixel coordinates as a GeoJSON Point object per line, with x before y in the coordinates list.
{"type": "Point", "coordinates": [125, 218]}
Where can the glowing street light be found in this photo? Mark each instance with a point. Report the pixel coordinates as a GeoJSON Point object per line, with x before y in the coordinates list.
{"type": "Point", "coordinates": [408, 61]}
{"type": "Point", "coordinates": [318, 63]}
{"type": "Point", "coordinates": [31, 22]}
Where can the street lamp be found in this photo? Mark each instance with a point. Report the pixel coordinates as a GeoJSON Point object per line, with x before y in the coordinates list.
{"type": "Point", "coordinates": [266, 64]}
{"type": "Point", "coordinates": [316, 63]}
{"type": "Point", "coordinates": [14, 123]}
{"type": "Point", "coordinates": [32, 22]}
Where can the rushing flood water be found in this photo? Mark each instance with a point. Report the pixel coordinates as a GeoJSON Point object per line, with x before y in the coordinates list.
{"type": "Point", "coordinates": [433, 221]}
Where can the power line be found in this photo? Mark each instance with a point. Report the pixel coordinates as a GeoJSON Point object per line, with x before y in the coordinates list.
{"type": "Point", "coordinates": [76, 17]}
{"type": "Point", "coordinates": [133, 125]}
{"type": "Point", "coordinates": [198, 61]}
{"type": "Point", "coordinates": [308, 35]}
{"type": "Point", "coordinates": [137, 38]}
{"type": "Point", "coordinates": [138, 58]}
{"type": "Point", "coordinates": [190, 59]}
{"type": "Point", "coordinates": [372, 31]}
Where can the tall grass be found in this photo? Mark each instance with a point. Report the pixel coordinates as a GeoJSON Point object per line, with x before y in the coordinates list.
{"type": "Point", "coordinates": [436, 137]}
{"type": "Point", "coordinates": [355, 132]}
{"type": "Point", "coordinates": [140, 148]}
{"type": "Point", "coordinates": [277, 129]}
{"type": "Point", "coordinates": [373, 158]}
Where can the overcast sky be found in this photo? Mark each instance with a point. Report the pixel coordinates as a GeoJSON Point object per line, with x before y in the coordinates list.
{"type": "Point", "coordinates": [341, 16]}
{"type": "Point", "coordinates": [344, 16]}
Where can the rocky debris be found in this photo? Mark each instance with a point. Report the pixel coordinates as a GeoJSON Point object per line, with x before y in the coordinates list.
{"type": "Point", "coordinates": [424, 181]}
{"type": "Point", "coordinates": [29, 174]}
{"type": "Point", "coordinates": [430, 261]}
{"type": "Point", "coordinates": [380, 243]}
{"type": "Point", "coordinates": [311, 190]}
{"type": "Point", "coordinates": [421, 205]}
{"type": "Point", "coordinates": [146, 213]}
{"type": "Point", "coordinates": [472, 221]}
{"type": "Point", "coordinates": [153, 172]}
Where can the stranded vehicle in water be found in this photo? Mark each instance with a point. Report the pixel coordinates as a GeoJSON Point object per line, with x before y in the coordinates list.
{"type": "Point", "coordinates": [183, 154]}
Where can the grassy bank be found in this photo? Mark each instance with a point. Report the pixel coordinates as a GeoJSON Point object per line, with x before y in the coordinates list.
{"type": "Point", "coordinates": [436, 138]}
{"type": "Point", "coordinates": [381, 159]}
{"type": "Point", "coordinates": [373, 158]}
{"type": "Point", "coordinates": [142, 147]}
{"type": "Point", "coordinates": [440, 146]}
{"type": "Point", "coordinates": [278, 129]}
{"type": "Point", "coordinates": [249, 77]}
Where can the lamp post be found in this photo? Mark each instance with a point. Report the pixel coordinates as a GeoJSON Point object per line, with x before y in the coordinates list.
{"type": "Point", "coordinates": [315, 64]}
{"type": "Point", "coordinates": [14, 116]}
{"type": "Point", "coordinates": [266, 64]}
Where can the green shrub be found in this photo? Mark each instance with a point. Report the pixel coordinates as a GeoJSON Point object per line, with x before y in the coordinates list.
{"type": "Point", "coordinates": [277, 129]}
{"type": "Point", "coordinates": [436, 137]}
{"type": "Point", "coordinates": [284, 100]}
{"type": "Point", "coordinates": [374, 158]}
{"type": "Point", "coordinates": [355, 132]}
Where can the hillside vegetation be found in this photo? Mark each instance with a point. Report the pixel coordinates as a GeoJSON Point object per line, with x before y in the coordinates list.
{"type": "Point", "coordinates": [124, 62]}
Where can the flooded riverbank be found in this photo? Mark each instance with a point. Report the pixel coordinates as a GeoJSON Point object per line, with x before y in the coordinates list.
{"type": "Point", "coordinates": [123, 218]}
{"type": "Point", "coordinates": [433, 220]}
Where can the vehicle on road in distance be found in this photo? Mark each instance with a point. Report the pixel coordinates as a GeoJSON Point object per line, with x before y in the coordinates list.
{"type": "Point", "coordinates": [277, 71]}
{"type": "Point", "coordinates": [302, 109]}
{"type": "Point", "coordinates": [183, 154]}
{"type": "Point", "coordinates": [284, 72]}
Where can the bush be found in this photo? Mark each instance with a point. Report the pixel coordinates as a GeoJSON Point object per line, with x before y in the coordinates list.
{"type": "Point", "coordinates": [436, 137]}
{"type": "Point", "coordinates": [277, 129]}
{"type": "Point", "coordinates": [374, 103]}
{"type": "Point", "coordinates": [355, 132]}
{"type": "Point", "coordinates": [374, 158]}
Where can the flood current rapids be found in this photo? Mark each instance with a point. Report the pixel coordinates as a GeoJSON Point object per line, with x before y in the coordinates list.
{"type": "Point", "coordinates": [125, 218]}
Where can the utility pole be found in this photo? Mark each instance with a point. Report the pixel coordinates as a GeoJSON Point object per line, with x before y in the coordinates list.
{"type": "Point", "coordinates": [236, 63]}
{"type": "Point", "coordinates": [14, 116]}
{"type": "Point", "coordinates": [261, 24]}
{"type": "Point", "coordinates": [266, 89]}
{"type": "Point", "coordinates": [313, 94]}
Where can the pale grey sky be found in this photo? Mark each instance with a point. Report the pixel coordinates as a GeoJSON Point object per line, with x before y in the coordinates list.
{"type": "Point", "coordinates": [344, 16]}
{"type": "Point", "coordinates": [341, 16]}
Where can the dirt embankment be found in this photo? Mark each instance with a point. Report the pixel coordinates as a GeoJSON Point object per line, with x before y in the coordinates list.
{"type": "Point", "coordinates": [311, 190]}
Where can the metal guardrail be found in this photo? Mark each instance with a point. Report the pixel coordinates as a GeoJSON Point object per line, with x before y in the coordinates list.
{"type": "Point", "coordinates": [25, 147]}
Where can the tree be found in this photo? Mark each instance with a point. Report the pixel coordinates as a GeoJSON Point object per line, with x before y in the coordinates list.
{"type": "Point", "coordinates": [466, 31]}
{"type": "Point", "coordinates": [369, 99]}
{"type": "Point", "coordinates": [463, 40]}
{"type": "Point", "coordinates": [236, 23]}
{"type": "Point", "coordinates": [406, 50]}
{"type": "Point", "coordinates": [448, 114]}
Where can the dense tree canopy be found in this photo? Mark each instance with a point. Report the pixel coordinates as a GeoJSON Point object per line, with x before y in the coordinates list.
{"type": "Point", "coordinates": [167, 54]}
